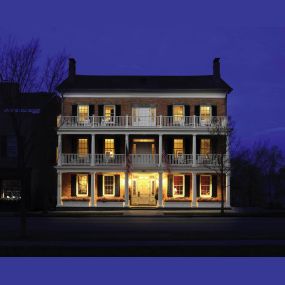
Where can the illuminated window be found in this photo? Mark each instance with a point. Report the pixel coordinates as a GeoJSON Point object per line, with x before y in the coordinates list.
{"type": "Point", "coordinates": [83, 112]}
{"type": "Point", "coordinates": [109, 113]}
{"type": "Point", "coordinates": [205, 147]}
{"type": "Point", "coordinates": [109, 185]}
{"type": "Point", "coordinates": [178, 113]}
{"type": "Point", "coordinates": [178, 186]}
{"type": "Point", "coordinates": [205, 185]}
{"type": "Point", "coordinates": [178, 147]}
{"type": "Point", "coordinates": [82, 147]}
{"type": "Point", "coordinates": [82, 185]}
{"type": "Point", "coordinates": [109, 147]}
{"type": "Point", "coordinates": [205, 112]}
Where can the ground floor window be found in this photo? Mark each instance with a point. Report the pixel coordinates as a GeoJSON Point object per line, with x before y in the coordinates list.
{"type": "Point", "coordinates": [10, 189]}
{"type": "Point", "coordinates": [178, 186]}
{"type": "Point", "coordinates": [82, 185]}
{"type": "Point", "coordinates": [205, 185]}
{"type": "Point", "coordinates": [109, 185]}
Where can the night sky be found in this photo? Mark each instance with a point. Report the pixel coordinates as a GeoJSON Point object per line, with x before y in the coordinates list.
{"type": "Point", "coordinates": [171, 38]}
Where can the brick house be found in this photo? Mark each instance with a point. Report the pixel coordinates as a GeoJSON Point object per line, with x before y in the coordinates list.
{"type": "Point", "coordinates": [137, 141]}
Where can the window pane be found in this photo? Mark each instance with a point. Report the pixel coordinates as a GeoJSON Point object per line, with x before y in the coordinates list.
{"type": "Point", "coordinates": [178, 147]}
{"type": "Point", "coordinates": [205, 111]}
{"type": "Point", "coordinates": [110, 147]}
{"type": "Point", "coordinates": [83, 112]}
{"type": "Point", "coordinates": [109, 113]}
{"type": "Point", "coordinates": [178, 113]}
{"type": "Point", "coordinates": [178, 186]}
{"type": "Point", "coordinates": [205, 146]}
{"type": "Point", "coordinates": [205, 181]}
{"type": "Point", "coordinates": [82, 147]}
{"type": "Point", "coordinates": [109, 185]}
{"type": "Point", "coordinates": [82, 184]}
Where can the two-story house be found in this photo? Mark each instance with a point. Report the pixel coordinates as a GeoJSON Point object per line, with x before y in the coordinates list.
{"type": "Point", "coordinates": [137, 141]}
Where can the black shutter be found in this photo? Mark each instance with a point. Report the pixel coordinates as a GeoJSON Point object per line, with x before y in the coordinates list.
{"type": "Point", "coordinates": [99, 144]}
{"type": "Point", "coordinates": [170, 185]}
{"type": "Point", "coordinates": [197, 110]}
{"type": "Point", "coordinates": [187, 110]}
{"type": "Point", "coordinates": [74, 141]}
{"type": "Point", "coordinates": [89, 185]}
{"type": "Point", "coordinates": [73, 185]}
{"type": "Point", "coordinates": [100, 185]}
{"type": "Point", "coordinates": [89, 144]}
{"type": "Point", "coordinates": [118, 145]}
{"type": "Point", "coordinates": [198, 186]}
{"type": "Point", "coordinates": [214, 110]}
{"type": "Point", "coordinates": [118, 110]}
{"type": "Point", "coordinates": [187, 143]}
{"type": "Point", "coordinates": [91, 110]}
{"type": "Point", "coordinates": [214, 186]}
{"type": "Point", "coordinates": [4, 146]}
{"type": "Point", "coordinates": [198, 145]}
{"type": "Point", "coordinates": [117, 185]}
{"type": "Point", "coordinates": [74, 110]}
{"type": "Point", "coordinates": [214, 145]}
{"type": "Point", "coordinates": [100, 110]}
{"type": "Point", "coordinates": [187, 185]}
{"type": "Point", "coordinates": [169, 110]}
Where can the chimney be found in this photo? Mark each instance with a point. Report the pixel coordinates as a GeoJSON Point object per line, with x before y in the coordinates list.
{"type": "Point", "coordinates": [216, 67]}
{"type": "Point", "coordinates": [72, 68]}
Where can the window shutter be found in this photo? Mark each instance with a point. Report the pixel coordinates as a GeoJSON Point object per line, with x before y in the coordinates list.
{"type": "Point", "coordinates": [117, 145]}
{"type": "Point", "coordinates": [74, 110]}
{"type": "Point", "coordinates": [214, 145]}
{"type": "Point", "coordinates": [197, 110]}
{"type": "Point", "coordinates": [89, 185]}
{"type": "Point", "coordinates": [118, 110]}
{"type": "Point", "coordinates": [214, 110]}
{"type": "Point", "coordinates": [100, 185]}
{"type": "Point", "coordinates": [99, 144]}
{"type": "Point", "coordinates": [117, 185]}
{"type": "Point", "coordinates": [187, 110]}
{"type": "Point", "coordinates": [198, 145]}
{"type": "Point", "coordinates": [170, 185]}
{"type": "Point", "coordinates": [214, 186]}
{"type": "Point", "coordinates": [169, 110]}
{"type": "Point", "coordinates": [89, 144]}
{"type": "Point", "coordinates": [198, 186]}
{"type": "Point", "coordinates": [187, 185]}
{"type": "Point", "coordinates": [73, 185]}
{"type": "Point", "coordinates": [74, 141]}
{"type": "Point", "coordinates": [100, 110]}
{"type": "Point", "coordinates": [91, 110]}
{"type": "Point", "coordinates": [187, 145]}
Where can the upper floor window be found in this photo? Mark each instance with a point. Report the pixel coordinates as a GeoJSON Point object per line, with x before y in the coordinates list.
{"type": "Point", "coordinates": [178, 186]}
{"type": "Point", "coordinates": [144, 116]}
{"type": "Point", "coordinates": [110, 147]}
{"type": "Point", "coordinates": [82, 185]}
{"type": "Point", "coordinates": [205, 185]}
{"type": "Point", "coordinates": [178, 147]}
{"type": "Point", "coordinates": [205, 112]}
{"type": "Point", "coordinates": [178, 113]}
{"type": "Point", "coordinates": [83, 112]}
{"type": "Point", "coordinates": [205, 147]}
{"type": "Point", "coordinates": [82, 147]}
{"type": "Point", "coordinates": [109, 113]}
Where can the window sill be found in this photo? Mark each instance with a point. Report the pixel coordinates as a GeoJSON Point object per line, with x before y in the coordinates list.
{"type": "Point", "coordinates": [75, 198]}
{"type": "Point", "coordinates": [111, 199]}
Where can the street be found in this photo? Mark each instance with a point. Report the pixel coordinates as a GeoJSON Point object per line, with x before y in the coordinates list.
{"type": "Point", "coordinates": [144, 236]}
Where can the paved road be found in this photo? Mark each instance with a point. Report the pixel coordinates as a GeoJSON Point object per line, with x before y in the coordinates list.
{"type": "Point", "coordinates": [183, 232]}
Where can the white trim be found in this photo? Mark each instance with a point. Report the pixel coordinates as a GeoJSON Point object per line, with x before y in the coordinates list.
{"type": "Point", "coordinates": [183, 184]}
{"type": "Point", "coordinates": [77, 194]}
{"type": "Point", "coordinates": [118, 94]}
{"type": "Point", "coordinates": [108, 195]}
{"type": "Point", "coordinates": [205, 196]}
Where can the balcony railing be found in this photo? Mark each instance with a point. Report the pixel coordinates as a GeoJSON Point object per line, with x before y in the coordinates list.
{"type": "Point", "coordinates": [143, 160]}
{"type": "Point", "coordinates": [140, 122]}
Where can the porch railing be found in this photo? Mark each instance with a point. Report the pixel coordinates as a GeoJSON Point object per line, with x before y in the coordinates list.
{"type": "Point", "coordinates": [178, 160]}
{"type": "Point", "coordinates": [212, 159]}
{"type": "Point", "coordinates": [75, 159]}
{"type": "Point", "coordinates": [115, 159]}
{"type": "Point", "coordinates": [144, 159]}
{"type": "Point", "coordinates": [140, 122]}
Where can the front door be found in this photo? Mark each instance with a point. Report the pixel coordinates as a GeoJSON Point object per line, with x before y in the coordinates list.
{"type": "Point", "coordinates": [143, 191]}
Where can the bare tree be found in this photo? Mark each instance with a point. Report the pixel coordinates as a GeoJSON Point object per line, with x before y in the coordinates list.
{"type": "Point", "coordinates": [222, 130]}
{"type": "Point", "coordinates": [19, 64]}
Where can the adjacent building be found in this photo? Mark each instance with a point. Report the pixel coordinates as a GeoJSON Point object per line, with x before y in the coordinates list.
{"type": "Point", "coordinates": [141, 141]}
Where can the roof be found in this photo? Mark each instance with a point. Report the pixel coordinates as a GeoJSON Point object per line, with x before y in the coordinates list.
{"type": "Point", "coordinates": [141, 83]}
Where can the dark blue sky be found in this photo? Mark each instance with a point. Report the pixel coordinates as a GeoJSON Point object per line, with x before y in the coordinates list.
{"type": "Point", "coordinates": [173, 38]}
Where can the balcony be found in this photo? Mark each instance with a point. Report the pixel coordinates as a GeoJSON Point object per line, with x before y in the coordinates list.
{"type": "Point", "coordinates": [122, 122]}
{"type": "Point", "coordinates": [142, 160]}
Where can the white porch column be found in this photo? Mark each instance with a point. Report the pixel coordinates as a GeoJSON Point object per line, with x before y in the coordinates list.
{"type": "Point", "coordinates": [93, 175]}
{"type": "Point", "coordinates": [59, 149]}
{"type": "Point", "coordinates": [194, 150]}
{"type": "Point", "coordinates": [160, 150]}
{"type": "Point", "coordinates": [228, 190]}
{"type": "Point", "coordinates": [126, 141]}
{"type": "Point", "coordinates": [59, 188]}
{"type": "Point", "coordinates": [194, 190]}
{"type": "Point", "coordinates": [127, 189]}
{"type": "Point", "coordinates": [160, 187]}
{"type": "Point", "coordinates": [92, 149]}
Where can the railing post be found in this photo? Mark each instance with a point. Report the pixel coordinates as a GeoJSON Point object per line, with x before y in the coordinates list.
{"type": "Point", "coordinates": [194, 121]}
{"type": "Point", "coordinates": [92, 149]}
{"type": "Point", "coordinates": [160, 121]}
{"type": "Point", "coordinates": [93, 121]}
{"type": "Point", "coordinates": [194, 150]}
{"type": "Point", "coordinates": [127, 120]}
